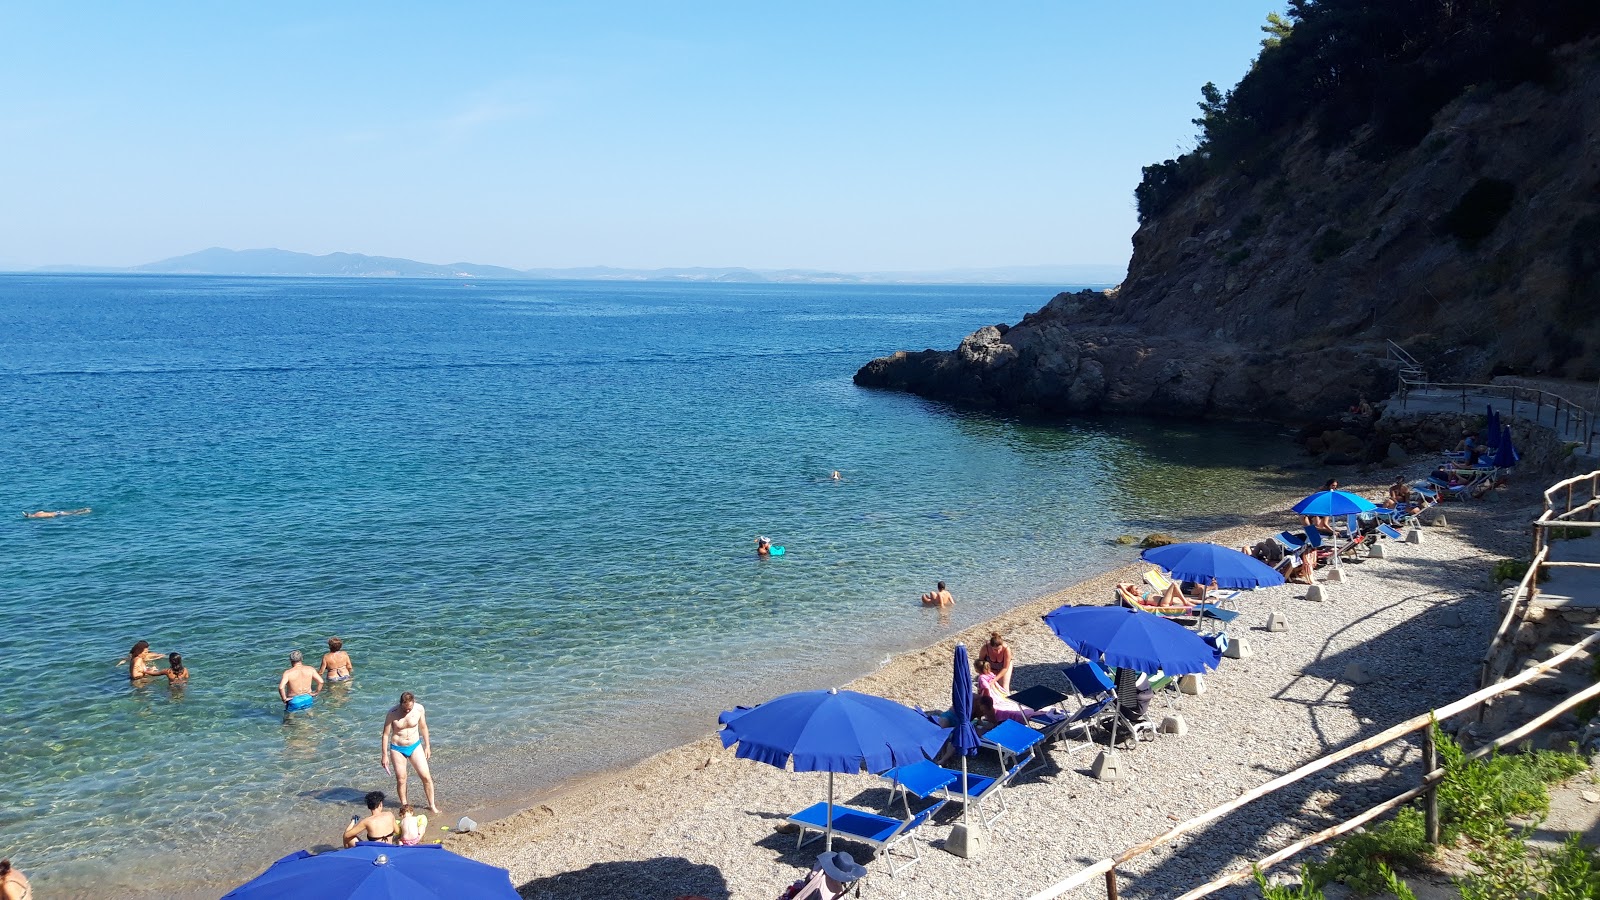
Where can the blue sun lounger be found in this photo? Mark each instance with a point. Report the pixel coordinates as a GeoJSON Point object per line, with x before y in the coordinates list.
{"type": "Point", "coordinates": [881, 833]}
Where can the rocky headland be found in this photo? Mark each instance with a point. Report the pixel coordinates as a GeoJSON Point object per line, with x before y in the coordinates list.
{"type": "Point", "coordinates": [1271, 289]}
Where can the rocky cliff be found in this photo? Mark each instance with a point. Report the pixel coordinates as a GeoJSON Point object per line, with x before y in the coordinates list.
{"type": "Point", "coordinates": [1272, 293]}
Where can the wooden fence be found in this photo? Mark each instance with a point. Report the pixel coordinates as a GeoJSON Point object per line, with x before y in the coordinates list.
{"type": "Point", "coordinates": [1427, 787]}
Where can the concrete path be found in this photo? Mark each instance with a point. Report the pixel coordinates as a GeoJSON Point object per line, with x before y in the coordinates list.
{"type": "Point", "coordinates": [1565, 422]}
{"type": "Point", "coordinates": [1572, 588]}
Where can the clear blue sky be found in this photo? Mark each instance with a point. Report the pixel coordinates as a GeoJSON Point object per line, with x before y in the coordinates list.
{"type": "Point", "coordinates": [848, 136]}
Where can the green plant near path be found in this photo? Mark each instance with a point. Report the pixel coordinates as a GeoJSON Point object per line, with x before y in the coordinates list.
{"type": "Point", "coordinates": [1476, 796]}
{"type": "Point", "coordinates": [1308, 889]}
{"type": "Point", "coordinates": [1359, 860]}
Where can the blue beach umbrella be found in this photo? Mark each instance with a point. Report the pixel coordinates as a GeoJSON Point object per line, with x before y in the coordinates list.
{"type": "Point", "coordinates": [1130, 639]}
{"type": "Point", "coordinates": [374, 871]}
{"type": "Point", "coordinates": [831, 731]}
{"type": "Point", "coordinates": [1201, 563]}
{"type": "Point", "coordinates": [964, 737]}
{"type": "Point", "coordinates": [1506, 455]}
{"type": "Point", "coordinates": [1334, 503]}
{"type": "Point", "coordinates": [1491, 429]}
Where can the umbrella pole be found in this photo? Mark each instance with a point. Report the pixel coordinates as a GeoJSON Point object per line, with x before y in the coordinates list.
{"type": "Point", "coordinates": [966, 796]}
{"type": "Point", "coordinates": [828, 844]}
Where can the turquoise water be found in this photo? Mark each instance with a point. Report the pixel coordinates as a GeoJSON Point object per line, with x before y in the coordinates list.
{"type": "Point", "coordinates": [533, 504]}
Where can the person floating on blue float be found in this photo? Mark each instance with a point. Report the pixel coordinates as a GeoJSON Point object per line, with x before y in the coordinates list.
{"type": "Point", "coordinates": [765, 547]}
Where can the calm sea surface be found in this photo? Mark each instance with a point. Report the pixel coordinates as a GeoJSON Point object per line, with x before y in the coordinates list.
{"type": "Point", "coordinates": [533, 504]}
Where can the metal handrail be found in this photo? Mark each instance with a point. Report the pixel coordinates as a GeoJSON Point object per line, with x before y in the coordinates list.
{"type": "Point", "coordinates": [1578, 419]}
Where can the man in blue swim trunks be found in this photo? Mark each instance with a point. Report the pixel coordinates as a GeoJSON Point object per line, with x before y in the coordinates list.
{"type": "Point", "coordinates": [405, 740]}
{"type": "Point", "coordinates": [298, 686]}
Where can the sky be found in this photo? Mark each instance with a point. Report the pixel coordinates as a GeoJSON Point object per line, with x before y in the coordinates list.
{"type": "Point", "coordinates": [883, 136]}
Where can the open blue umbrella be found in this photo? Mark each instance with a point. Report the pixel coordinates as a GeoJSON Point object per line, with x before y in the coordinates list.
{"type": "Point", "coordinates": [1201, 563]}
{"type": "Point", "coordinates": [1333, 503]}
{"type": "Point", "coordinates": [831, 731]}
{"type": "Point", "coordinates": [373, 871]}
{"type": "Point", "coordinates": [1506, 455]}
{"type": "Point", "coordinates": [964, 737]}
{"type": "Point", "coordinates": [1131, 639]}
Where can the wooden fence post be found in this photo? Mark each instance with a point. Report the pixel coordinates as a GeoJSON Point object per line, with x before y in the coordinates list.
{"type": "Point", "coordinates": [1430, 761]}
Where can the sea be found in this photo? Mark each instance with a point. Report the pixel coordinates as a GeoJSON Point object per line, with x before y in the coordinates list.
{"type": "Point", "coordinates": [534, 504]}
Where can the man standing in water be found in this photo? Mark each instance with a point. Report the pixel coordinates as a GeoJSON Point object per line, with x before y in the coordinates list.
{"type": "Point", "coordinates": [405, 739]}
{"type": "Point", "coordinates": [299, 684]}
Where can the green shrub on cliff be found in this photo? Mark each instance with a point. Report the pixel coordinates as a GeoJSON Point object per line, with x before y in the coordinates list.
{"type": "Point", "coordinates": [1387, 65]}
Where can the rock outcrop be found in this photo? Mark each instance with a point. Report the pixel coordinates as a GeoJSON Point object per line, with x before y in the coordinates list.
{"type": "Point", "coordinates": [1273, 294]}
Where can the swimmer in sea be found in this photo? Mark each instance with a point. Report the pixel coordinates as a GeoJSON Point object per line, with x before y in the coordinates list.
{"type": "Point", "coordinates": [299, 685]}
{"type": "Point", "coordinates": [139, 660]}
{"type": "Point", "coordinates": [405, 740]}
{"type": "Point", "coordinates": [51, 514]}
{"type": "Point", "coordinates": [177, 673]}
{"type": "Point", "coordinates": [336, 664]}
{"type": "Point", "coordinates": [836, 476]}
{"type": "Point", "coordinates": [939, 596]}
{"type": "Point", "coordinates": [763, 546]}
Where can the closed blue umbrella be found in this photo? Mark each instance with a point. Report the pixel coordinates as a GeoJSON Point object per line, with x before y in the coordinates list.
{"type": "Point", "coordinates": [1506, 455]}
{"type": "Point", "coordinates": [964, 737]}
{"type": "Point", "coordinates": [371, 871]}
{"type": "Point", "coordinates": [831, 731]}
{"type": "Point", "coordinates": [1130, 639]}
{"type": "Point", "coordinates": [1491, 429]}
{"type": "Point", "coordinates": [1201, 563]}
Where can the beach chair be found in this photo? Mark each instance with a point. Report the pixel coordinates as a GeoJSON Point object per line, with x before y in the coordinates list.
{"type": "Point", "coordinates": [1157, 581]}
{"type": "Point", "coordinates": [982, 789]}
{"type": "Point", "coordinates": [1390, 532]}
{"type": "Point", "coordinates": [1290, 541]}
{"type": "Point", "coordinates": [925, 778]}
{"type": "Point", "coordinates": [1128, 717]}
{"type": "Point", "coordinates": [1013, 741]}
{"type": "Point", "coordinates": [1128, 595]}
{"type": "Point", "coordinates": [882, 833]}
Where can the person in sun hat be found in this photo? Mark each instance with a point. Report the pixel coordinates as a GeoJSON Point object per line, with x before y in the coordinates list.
{"type": "Point", "coordinates": [831, 878]}
{"type": "Point", "coordinates": [763, 546]}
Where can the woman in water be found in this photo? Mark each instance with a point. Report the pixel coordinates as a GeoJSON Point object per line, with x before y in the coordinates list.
{"type": "Point", "coordinates": [336, 664]}
{"type": "Point", "coordinates": [176, 672]}
{"type": "Point", "coordinates": [140, 659]}
{"type": "Point", "coordinates": [13, 884]}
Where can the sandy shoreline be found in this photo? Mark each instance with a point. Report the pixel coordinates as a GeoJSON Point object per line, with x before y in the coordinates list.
{"type": "Point", "coordinates": [696, 820]}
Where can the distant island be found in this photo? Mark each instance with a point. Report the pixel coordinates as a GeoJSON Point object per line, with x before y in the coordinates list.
{"type": "Point", "coordinates": [287, 263]}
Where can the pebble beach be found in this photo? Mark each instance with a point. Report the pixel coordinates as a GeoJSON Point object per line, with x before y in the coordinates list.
{"type": "Point", "coordinates": [697, 821]}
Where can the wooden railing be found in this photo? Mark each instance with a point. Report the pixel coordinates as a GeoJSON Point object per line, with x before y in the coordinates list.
{"type": "Point", "coordinates": [1498, 657]}
{"type": "Point", "coordinates": [1568, 419]}
{"type": "Point", "coordinates": [1426, 787]}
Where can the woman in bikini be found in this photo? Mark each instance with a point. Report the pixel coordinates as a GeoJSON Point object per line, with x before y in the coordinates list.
{"type": "Point", "coordinates": [177, 674]}
{"type": "Point", "coordinates": [139, 661]}
{"type": "Point", "coordinates": [13, 884]}
{"type": "Point", "coordinates": [998, 656]}
{"type": "Point", "coordinates": [336, 664]}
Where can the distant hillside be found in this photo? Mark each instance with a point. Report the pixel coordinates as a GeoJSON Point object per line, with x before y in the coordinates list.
{"type": "Point", "coordinates": [221, 261]}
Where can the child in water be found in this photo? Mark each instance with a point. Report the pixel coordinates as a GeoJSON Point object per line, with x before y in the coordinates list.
{"type": "Point", "coordinates": [176, 672]}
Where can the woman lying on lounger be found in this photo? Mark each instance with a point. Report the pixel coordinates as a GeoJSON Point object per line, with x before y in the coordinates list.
{"type": "Point", "coordinates": [1170, 602]}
